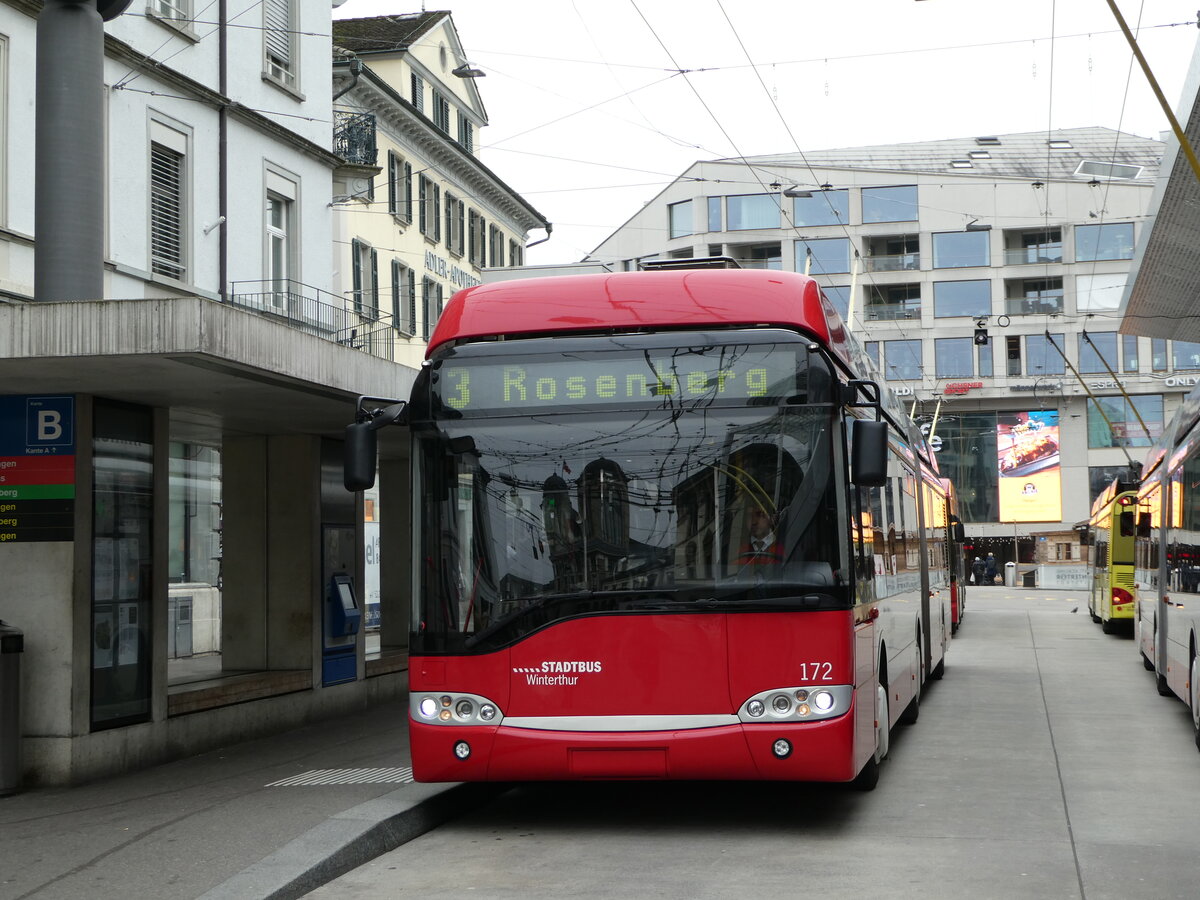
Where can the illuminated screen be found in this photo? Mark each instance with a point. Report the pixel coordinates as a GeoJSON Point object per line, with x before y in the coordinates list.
{"type": "Point", "coordinates": [1029, 468]}
{"type": "Point", "coordinates": [655, 378]}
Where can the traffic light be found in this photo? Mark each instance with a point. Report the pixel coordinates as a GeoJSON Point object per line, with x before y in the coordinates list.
{"type": "Point", "coordinates": [981, 336]}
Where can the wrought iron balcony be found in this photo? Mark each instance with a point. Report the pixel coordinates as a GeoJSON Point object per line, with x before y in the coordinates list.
{"type": "Point", "coordinates": [354, 137]}
{"type": "Point", "coordinates": [317, 312]}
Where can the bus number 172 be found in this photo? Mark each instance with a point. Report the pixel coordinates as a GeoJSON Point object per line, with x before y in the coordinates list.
{"type": "Point", "coordinates": [816, 671]}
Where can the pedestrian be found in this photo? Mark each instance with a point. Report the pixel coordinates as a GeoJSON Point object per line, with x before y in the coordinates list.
{"type": "Point", "coordinates": [989, 570]}
{"type": "Point", "coordinates": [977, 571]}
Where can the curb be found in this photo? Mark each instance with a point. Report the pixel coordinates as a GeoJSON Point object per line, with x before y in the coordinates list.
{"type": "Point", "coordinates": [351, 838]}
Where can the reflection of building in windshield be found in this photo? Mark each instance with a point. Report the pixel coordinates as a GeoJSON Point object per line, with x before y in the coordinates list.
{"type": "Point", "coordinates": [562, 531]}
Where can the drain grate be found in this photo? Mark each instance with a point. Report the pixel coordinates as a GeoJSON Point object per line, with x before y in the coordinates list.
{"type": "Point", "coordinates": [392, 775]}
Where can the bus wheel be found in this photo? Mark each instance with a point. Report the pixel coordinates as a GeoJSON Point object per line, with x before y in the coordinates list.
{"type": "Point", "coordinates": [1095, 618]}
{"type": "Point", "coordinates": [1109, 626]}
{"type": "Point", "coordinates": [912, 712]}
{"type": "Point", "coordinates": [1146, 664]}
{"type": "Point", "coordinates": [868, 777]}
{"type": "Point", "coordinates": [940, 669]}
{"type": "Point", "coordinates": [1194, 693]}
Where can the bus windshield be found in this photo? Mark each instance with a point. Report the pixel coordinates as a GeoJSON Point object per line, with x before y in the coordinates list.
{"type": "Point", "coordinates": [684, 480]}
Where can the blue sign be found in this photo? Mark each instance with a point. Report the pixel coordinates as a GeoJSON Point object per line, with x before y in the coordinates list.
{"type": "Point", "coordinates": [37, 425]}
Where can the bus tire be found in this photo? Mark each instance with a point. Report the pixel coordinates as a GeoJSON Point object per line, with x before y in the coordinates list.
{"type": "Point", "coordinates": [1095, 618]}
{"type": "Point", "coordinates": [912, 712]}
{"type": "Point", "coordinates": [868, 776]}
{"type": "Point", "coordinates": [940, 669]}
{"type": "Point", "coordinates": [1146, 664]}
{"type": "Point", "coordinates": [1194, 699]}
{"type": "Point", "coordinates": [1160, 684]}
{"type": "Point", "coordinates": [1109, 626]}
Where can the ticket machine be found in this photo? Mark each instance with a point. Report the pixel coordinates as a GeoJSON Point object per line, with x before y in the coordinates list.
{"type": "Point", "coordinates": [340, 631]}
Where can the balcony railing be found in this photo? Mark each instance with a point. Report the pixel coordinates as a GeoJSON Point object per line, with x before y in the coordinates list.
{"type": "Point", "coordinates": [354, 137]}
{"type": "Point", "coordinates": [317, 312]}
{"type": "Point", "coordinates": [1026, 256]}
{"type": "Point", "coordinates": [1034, 306]}
{"type": "Point", "coordinates": [901, 262]}
{"type": "Point", "coordinates": [879, 311]}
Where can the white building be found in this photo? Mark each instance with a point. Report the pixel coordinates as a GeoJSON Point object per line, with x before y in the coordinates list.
{"type": "Point", "coordinates": [1025, 237]}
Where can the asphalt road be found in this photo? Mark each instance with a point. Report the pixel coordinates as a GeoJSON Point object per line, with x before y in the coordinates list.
{"type": "Point", "coordinates": [1044, 765]}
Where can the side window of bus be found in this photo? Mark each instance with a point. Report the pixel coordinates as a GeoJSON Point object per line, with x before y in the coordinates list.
{"type": "Point", "coordinates": [1184, 558]}
{"type": "Point", "coordinates": [935, 534]}
{"type": "Point", "coordinates": [1101, 554]}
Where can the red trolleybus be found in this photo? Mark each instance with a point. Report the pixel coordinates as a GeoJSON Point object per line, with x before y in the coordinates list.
{"type": "Point", "coordinates": [664, 527]}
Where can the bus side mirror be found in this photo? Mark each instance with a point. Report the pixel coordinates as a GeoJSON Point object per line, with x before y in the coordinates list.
{"type": "Point", "coordinates": [359, 462]}
{"type": "Point", "coordinates": [1143, 525]}
{"type": "Point", "coordinates": [868, 453]}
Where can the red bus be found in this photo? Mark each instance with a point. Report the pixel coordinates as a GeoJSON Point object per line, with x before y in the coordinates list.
{"type": "Point", "coordinates": [666, 526]}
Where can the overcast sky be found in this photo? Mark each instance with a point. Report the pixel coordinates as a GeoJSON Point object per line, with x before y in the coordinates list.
{"type": "Point", "coordinates": [590, 117]}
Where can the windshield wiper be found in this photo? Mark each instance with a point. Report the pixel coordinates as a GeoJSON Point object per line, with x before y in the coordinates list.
{"type": "Point", "coordinates": [535, 604]}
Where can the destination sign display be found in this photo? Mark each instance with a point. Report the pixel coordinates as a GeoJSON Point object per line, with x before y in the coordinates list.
{"type": "Point", "coordinates": [37, 469]}
{"type": "Point", "coordinates": [734, 375]}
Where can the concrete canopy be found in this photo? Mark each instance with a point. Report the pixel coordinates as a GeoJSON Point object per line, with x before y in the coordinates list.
{"type": "Point", "coordinates": [217, 367]}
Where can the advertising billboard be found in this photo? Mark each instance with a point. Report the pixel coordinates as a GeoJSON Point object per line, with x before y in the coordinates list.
{"type": "Point", "coordinates": [1029, 469]}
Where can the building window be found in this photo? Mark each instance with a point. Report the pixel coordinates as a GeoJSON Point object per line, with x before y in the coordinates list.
{"type": "Point", "coordinates": [889, 204]}
{"type": "Point", "coordinates": [902, 360]}
{"type": "Point", "coordinates": [1185, 355]}
{"type": "Point", "coordinates": [429, 200]}
{"type": "Point", "coordinates": [872, 348]}
{"type": "Point", "coordinates": [466, 132]}
{"type": "Point", "coordinates": [1042, 356]}
{"type": "Point", "coordinates": [1129, 353]}
{"type": "Point", "coordinates": [441, 112]}
{"type": "Point", "coordinates": [167, 208]}
{"type": "Point", "coordinates": [1012, 349]}
{"type": "Point", "coordinates": [1043, 245]}
{"type": "Point", "coordinates": [178, 12]}
{"type": "Point", "coordinates": [279, 252]}
{"type": "Point", "coordinates": [1098, 353]}
{"type": "Point", "coordinates": [679, 216]}
{"type": "Point", "coordinates": [714, 213]}
{"type": "Point", "coordinates": [431, 305]}
{"type": "Point", "coordinates": [962, 298]}
{"type": "Point", "coordinates": [476, 231]}
{"type": "Point", "coordinates": [364, 260]}
{"type": "Point", "coordinates": [823, 257]}
{"type": "Point", "coordinates": [1125, 430]}
{"type": "Point", "coordinates": [747, 211]}
{"type": "Point", "coordinates": [822, 208]}
{"type": "Point", "coordinates": [839, 296]}
{"type": "Point", "coordinates": [960, 249]}
{"type": "Point", "coordinates": [1104, 241]}
{"type": "Point", "coordinates": [404, 297]}
{"type": "Point", "coordinates": [495, 245]}
{"type": "Point", "coordinates": [399, 187]}
{"type": "Point", "coordinates": [894, 253]}
{"type": "Point", "coordinates": [953, 357]}
{"type": "Point", "coordinates": [985, 360]}
{"type": "Point", "coordinates": [418, 92]}
{"type": "Point", "coordinates": [278, 28]}
{"type": "Point", "coordinates": [1158, 354]}
{"type": "Point", "coordinates": [893, 301]}
{"type": "Point", "coordinates": [516, 254]}
{"type": "Point", "coordinates": [1033, 296]}
{"type": "Point", "coordinates": [1099, 293]}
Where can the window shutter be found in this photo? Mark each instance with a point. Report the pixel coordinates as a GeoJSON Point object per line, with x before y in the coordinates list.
{"type": "Point", "coordinates": [373, 312]}
{"type": "Point", "coordinates": [406, 211]}
{"type": "Point", "coordinates": [166, 211]}
{"type": "Point", "coordinates": [393, 175]}
{"type": "Point", "coordinates": [395, 293]}
{"type": "Point", "coordinates": [277, 15]}
{"type": "Point", "coordinates": [356, 267]}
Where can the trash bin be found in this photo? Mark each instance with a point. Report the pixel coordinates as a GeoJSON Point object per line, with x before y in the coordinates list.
{"type": "Point", "coordinates": [1029, 578]}
{"type": "Point", "coordinates": [12, 643]}
{"type": "Point", "coordinates": [1010, 574]}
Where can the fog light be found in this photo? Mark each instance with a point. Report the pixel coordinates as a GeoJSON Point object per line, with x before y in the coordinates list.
{"type": "Point", "coordinates": [487, 712]}
{"type": "Point", "coordinates": [802, 695]}
{"type": "Point", "coordinates": [428, 707]}
{"type": "Point", "coordinates": [823, 701]}
{"type": "Point", "coordinates": [462, 750]}
{"type": "Point", "coordinates": [464, 708]}
{"type": "Point", "coordinates": [445, 701]}
{"type": "Point", "coordinates": [782, 749]}
{"type": "Point", "coordinates": [802, 710]}
{"type": "Point", "coordinates": [781, 703]}
{"type": "Point", "coordinates": [445, 715]}
{"type": "Point", "coordinates": [755, 708]}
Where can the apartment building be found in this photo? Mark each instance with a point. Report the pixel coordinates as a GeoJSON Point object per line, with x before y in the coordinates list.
{"type": "Point", "coordinates": [982, 274]}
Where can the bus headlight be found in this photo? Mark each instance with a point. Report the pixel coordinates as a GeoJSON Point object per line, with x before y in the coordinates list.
{"type": "Point", "coordinates": [454, 709]}
{"type": "Point", "coordinates": [798, 704]}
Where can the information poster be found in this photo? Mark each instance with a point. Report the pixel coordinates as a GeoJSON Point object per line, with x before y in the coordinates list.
{"type": "Point", "coordinates": [1030, 472]}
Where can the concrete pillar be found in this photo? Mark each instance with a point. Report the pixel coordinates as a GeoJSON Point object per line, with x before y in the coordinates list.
{"type": "Point", "coordinates": [244, 552]}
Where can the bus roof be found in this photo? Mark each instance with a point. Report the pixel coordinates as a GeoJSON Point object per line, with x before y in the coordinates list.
{"type": "Point", "coordinates": [633, 301]}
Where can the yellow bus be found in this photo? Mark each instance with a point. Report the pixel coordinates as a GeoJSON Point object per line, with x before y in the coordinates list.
{"type": "Point", "coordinates": [1112, 531]}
